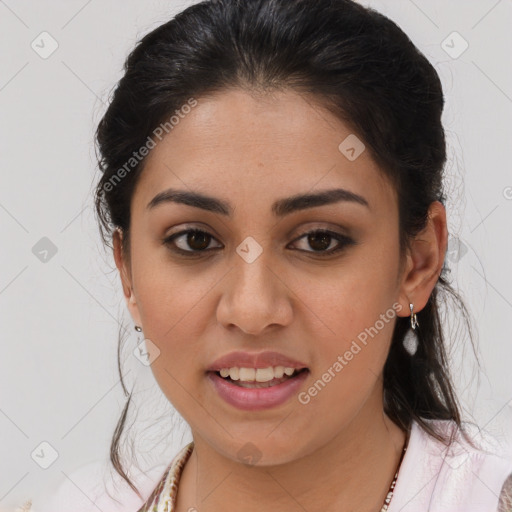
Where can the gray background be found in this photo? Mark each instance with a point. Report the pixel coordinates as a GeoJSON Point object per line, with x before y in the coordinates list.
{"type": "Point", "coordinates": [59, 317]}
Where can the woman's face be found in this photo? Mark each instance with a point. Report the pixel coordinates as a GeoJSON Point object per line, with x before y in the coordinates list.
{"type": "Point", "coordinates": [254, 281]}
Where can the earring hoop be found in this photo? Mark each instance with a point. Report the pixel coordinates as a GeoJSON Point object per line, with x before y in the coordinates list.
{"type": "Point", "coordinates": [414, 319]}
{"type": "Point", "coordinates": [138, 329]}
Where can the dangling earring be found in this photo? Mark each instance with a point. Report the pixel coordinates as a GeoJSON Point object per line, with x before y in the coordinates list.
{"type": "Point", "coordinates": [411, 341]}
{"type": "Point", "coordinates": [414, 320]}
{"type": "Point", "coordinates": [138, 329]}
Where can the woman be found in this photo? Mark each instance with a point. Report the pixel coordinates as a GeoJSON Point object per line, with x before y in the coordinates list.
{"type": "Point", "coordinates": [273, 186]}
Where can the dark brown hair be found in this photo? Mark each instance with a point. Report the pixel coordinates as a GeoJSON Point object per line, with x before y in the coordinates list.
{"type": "Point", "coordinates": [358, 64]}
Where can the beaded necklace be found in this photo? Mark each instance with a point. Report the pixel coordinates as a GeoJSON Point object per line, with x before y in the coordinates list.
{"type": "Point", "coordinates": [163, 498]}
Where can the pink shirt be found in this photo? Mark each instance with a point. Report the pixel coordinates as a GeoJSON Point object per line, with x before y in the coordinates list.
{"type": "Point", "coordinates": [460, 479]}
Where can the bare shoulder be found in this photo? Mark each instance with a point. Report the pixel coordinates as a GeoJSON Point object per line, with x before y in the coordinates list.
{"type": "Point", "coordinates": [505, 502]}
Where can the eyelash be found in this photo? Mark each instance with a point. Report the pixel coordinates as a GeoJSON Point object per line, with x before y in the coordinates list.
{"type": "Point", "coordinates": [343, 240]}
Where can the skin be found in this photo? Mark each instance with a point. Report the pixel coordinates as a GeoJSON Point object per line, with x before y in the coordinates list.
{"type": "Point", "coordinates": [251, 150]}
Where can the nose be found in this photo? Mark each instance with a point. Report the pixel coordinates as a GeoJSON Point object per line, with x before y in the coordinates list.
{"type": "Point", "coordinates": [254, 297]}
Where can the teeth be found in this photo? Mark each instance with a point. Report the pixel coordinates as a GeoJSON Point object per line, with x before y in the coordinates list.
{"type": "Point", "coordinates": [258, 375]}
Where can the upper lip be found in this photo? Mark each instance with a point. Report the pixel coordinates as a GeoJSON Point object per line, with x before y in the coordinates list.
{"type": "Point", "coordinates": [254, 360]}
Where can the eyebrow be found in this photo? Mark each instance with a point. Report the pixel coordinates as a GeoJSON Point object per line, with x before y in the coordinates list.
{"type": "Point", "coordinates": [280, 208]}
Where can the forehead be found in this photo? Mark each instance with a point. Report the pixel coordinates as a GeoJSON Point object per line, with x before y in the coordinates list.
{"type": "Point", "coordinates": [237, 144]}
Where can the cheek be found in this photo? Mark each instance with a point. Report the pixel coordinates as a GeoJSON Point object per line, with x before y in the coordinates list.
{"type": "Point", "coordinates": [173, 306]}
{"type": "Point", "coordinates": [174, 310]}
{"type": "Point", "coordinates": [348, 298]}
{"type": "Point", "coordinates": [169, 294]}
{"type": "Point", "coordinates": [348, 365]}
{"type": "Point", "coordinates": [351, 328]}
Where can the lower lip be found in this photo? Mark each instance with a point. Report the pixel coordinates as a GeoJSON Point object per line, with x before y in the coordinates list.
{"type": "Point", "coordinates": [255, 399]}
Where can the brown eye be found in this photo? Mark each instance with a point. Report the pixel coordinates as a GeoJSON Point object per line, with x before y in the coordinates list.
{"type": "Point", "coordinates": [320, 241]}
{"type": "Point", "coordinates": [191, 241]}
{"type": "Point", "coordinates": [198, 240]}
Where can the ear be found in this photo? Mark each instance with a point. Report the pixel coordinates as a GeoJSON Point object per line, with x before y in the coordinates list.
{"type": "Point", "coordinates": [126, 280]}
{"type": "Point", "coordinates": [424, 261]}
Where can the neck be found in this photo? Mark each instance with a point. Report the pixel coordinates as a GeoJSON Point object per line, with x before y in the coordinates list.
{"type": "Point", "coordinates": [365, 456]}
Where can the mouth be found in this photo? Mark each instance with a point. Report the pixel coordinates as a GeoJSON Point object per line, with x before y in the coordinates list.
{"type": "Point", "coordinates": [250, 395]}
{"type": "Point", "coordinates": [253, 384]}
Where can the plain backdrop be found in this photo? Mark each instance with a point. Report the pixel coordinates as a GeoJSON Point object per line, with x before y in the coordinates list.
{"type": "Point", "coordinates": [60, 300]}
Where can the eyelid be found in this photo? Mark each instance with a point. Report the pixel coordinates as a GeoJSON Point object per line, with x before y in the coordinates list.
{"type": "Point", "coordinates": [322, 226]}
